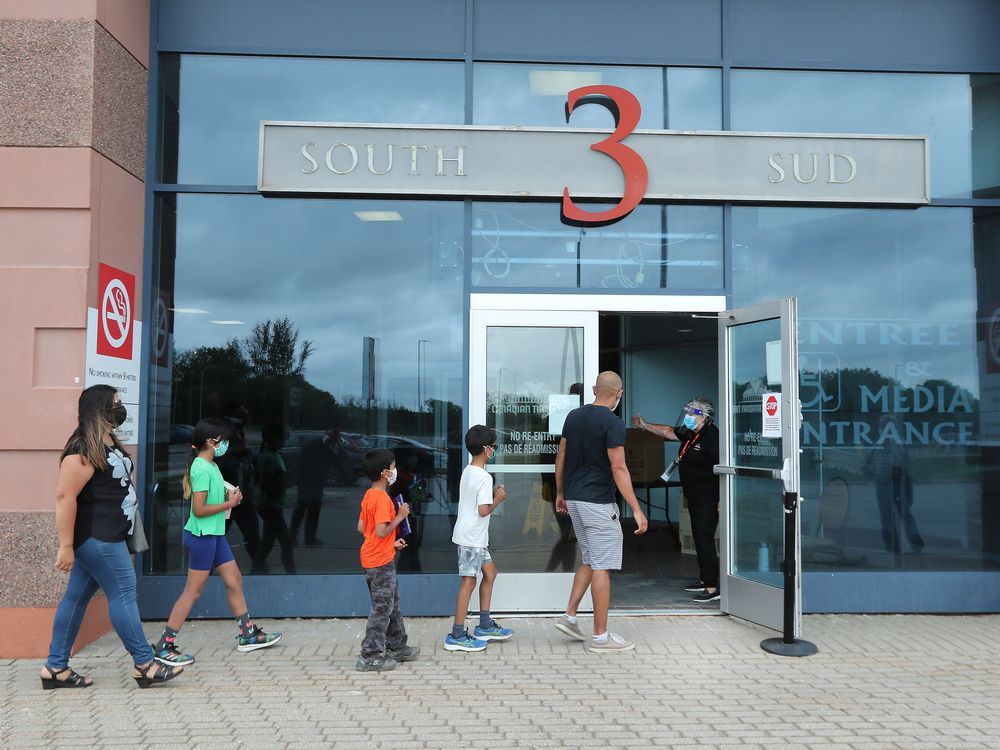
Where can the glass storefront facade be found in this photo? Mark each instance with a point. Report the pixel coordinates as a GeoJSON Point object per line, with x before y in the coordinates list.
{"type": "Point", "coordinates": [891, 375]}
{"type": "Point", "coordinates": [342, 323]}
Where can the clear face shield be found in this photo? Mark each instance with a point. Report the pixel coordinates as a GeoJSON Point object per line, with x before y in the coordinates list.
{"type": "Point", "coordinates": [690, 420]}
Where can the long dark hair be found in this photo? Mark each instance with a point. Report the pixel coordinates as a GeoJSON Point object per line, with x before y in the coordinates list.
{"type": "Point", "coordinates": [205, 429]}
{"type": "Point", "coordinates": [92, 422]}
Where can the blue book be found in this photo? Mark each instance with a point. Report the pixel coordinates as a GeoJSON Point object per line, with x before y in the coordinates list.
{"type": "Point", "coordinates": [403, 530]}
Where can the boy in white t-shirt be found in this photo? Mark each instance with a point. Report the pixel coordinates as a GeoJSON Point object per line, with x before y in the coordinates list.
{"type": "Point", "coordinates": [477, 499]}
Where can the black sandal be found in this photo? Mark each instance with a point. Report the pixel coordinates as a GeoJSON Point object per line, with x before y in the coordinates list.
{"type": "Point", "coordinates": [73, 680]}
{"type": "Point", "coordinates": [162, 674]}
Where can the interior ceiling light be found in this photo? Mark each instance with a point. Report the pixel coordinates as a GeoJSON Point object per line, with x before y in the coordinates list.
{"type": "Point", "coordinates": [378, 215]}
{"type": "Point", "coordinates": [684, 330]}
{"type": "Point", "coordinates": [559, 82]}
{"type": "Point", "coordinates": [189, 310]}
{"type": "Point", "coordinates": [229, 322]}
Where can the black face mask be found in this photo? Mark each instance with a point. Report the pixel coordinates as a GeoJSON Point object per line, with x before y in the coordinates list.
{"type": "Point", "coordinates": [118, 415]}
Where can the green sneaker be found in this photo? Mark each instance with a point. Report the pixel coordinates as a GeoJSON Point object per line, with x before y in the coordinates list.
{"type": "Point", "coordinates": [171, 655]}
{"type": "Point", "coordinates": [257, 639]}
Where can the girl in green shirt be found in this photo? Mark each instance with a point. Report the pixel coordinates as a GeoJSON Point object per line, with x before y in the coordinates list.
{"type": "Point", "coordinates": [205, 539]}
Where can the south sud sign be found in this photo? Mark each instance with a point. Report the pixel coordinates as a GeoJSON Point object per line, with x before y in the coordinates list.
{"type": "Point", "coordinates": [625, 165]}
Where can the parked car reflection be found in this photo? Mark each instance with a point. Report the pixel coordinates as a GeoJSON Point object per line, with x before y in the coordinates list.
{"type": "Point", "coordinates": [343, 455]}
{"type": "Point", "coordinates": [181, 433]}
{"type": "Point", "coordinates": [411, 455]}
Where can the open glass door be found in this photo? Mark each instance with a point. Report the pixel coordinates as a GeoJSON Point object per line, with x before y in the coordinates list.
{"type": "Point", "coordinates": [759, 460]}
{"type": "Point", "coordinates": [528, 369]}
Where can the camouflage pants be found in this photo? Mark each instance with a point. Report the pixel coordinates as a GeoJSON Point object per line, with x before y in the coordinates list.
{"type": "Point", "coordinates": [385, 623]}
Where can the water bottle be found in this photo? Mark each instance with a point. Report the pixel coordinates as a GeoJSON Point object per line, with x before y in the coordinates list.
{"type": "Point", "coordinates": [763, 558]}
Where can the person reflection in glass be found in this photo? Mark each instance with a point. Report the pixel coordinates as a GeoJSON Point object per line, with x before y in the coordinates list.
{"type": "Point", "coordinates": [889, 465]}
{"type": "Point", "coordinates": [314, 466]}
{"type": "Point", "coordinates": [237, 467]}
{"type": "Point", "coordinates": [410, 487]}
{"type": "Point", "coordinates": [564, 550]}
{"type": "Point", "coordinates": [271, 473]}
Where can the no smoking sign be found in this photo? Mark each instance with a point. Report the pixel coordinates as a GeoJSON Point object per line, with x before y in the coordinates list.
{"type": "Point", "coordinates": [117, 301]}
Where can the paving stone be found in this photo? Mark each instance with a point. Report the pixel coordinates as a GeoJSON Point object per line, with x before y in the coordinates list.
{"type": "Point", "coordinates": [879, 682]}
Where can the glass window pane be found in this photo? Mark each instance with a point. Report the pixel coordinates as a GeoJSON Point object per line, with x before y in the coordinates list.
{"type": "Point", "coordinates": [222, 100]}
{"type": "Point", "coordinates": [519, 94]}
{"type": "Point", "coordinates": [655, 247]}
{"type": "Point", "coordinates": [985, 136]}
{"type": "Point", "coordinates": [749, 344]}
{"type": "Point", "coordinates": [337, 333]}
{"type": "Point", "coordinates": [526, 532]}
{"type": "Point", "coordinates": [694, 99]}
{"type": "Point", "coordinates": [897, 466]}
{"type": "Point", "coordinates": [958, 112]}
{"type": "Point", "coordinates": [758, 542]}
{"type": "Point", "coordinates": [529, 371]}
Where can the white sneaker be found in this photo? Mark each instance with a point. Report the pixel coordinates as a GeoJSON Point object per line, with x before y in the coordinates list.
{"type": "Point", "coordinates": [614, 643]}
{"type": "Point", "coordinates": [570, 628]}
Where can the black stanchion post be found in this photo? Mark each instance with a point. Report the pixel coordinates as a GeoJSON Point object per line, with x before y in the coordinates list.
{"type": "Point", "coordinates": [788, 644]}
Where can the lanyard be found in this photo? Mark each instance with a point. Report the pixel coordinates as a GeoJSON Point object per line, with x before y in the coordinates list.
{"type": "Point", "coordinates": [686, 446]}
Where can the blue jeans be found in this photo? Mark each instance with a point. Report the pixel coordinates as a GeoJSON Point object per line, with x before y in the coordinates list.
{"type": "Point", "coordinates": [106, 566]}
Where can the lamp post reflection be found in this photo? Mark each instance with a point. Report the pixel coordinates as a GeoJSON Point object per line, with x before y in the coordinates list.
{"type": "Point", "coordinates": [421, 365]}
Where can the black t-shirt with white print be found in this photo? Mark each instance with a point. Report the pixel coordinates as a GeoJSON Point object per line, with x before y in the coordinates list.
{"type": "Point", "coordinates": [105, 507]}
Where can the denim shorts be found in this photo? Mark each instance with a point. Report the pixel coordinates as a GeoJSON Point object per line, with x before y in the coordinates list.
{"type": "Point", "coordinates": [471, 560]}
{"type": "Point", "coordinates": [207, 552]}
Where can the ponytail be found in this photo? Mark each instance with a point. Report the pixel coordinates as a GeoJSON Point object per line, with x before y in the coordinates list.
{"type": "Point", "coordinates": [203, 432]}
{"type": "Point", "coordinates": [186, 481]}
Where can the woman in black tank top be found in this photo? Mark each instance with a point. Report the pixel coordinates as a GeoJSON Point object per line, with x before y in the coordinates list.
{"type": "Point", "coordinates": [95, 514]}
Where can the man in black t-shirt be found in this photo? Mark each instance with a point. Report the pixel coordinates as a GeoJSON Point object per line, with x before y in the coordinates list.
{"type": "Point", "coordinates": [590, 465]}
{"type": "Point", "coordinates": [696, 460]}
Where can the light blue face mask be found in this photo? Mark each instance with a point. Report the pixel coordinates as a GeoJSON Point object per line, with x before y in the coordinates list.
{"type": "Point", "coordinates": [493, 453]}
{"type": "Point", "coordinates": [221, 448]}
{"type": "Point", "coordinates": [690, 422]}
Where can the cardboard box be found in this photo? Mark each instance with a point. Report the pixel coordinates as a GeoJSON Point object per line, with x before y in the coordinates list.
{"type": "Point", "coordinates": [643, 455]}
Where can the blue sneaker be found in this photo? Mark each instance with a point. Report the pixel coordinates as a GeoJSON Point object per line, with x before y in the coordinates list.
{"type": "Point", "coordinates": [493, 633]}
{"type": "Point", "coordinates": [464, 642]}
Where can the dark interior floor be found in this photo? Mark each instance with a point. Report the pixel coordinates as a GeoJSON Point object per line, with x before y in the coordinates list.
{"type": "Point", "coordinates": [654, 573]}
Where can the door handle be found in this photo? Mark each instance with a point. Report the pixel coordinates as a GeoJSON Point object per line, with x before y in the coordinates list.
{"type": "Point", "coordinates": [749, 471]}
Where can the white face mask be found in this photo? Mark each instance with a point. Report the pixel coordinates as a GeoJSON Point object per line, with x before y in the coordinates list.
{"type": "Point", "coordinates": [616, 403]}
{"type": "Point", "coordinates": [391, 478]}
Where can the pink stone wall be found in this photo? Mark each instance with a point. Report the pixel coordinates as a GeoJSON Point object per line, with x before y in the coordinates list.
{"type": "Point", "coordinates": [126, 20]}
{"type": "Point", "coordinates": [49, 254]}
{"type": "Point", "coordinates": [72, 164]}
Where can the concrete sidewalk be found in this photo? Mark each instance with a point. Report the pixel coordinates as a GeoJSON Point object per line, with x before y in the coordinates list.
{"type": "Point", "coordinates": [877, 682]}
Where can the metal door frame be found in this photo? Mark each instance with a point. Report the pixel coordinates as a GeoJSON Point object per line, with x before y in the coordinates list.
{"type": "Point", "coordinates": [741, 597]}
{"type": "Point", "coordinates": [548, 592]}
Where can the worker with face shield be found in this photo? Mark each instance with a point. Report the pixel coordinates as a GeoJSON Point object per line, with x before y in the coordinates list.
{"type": "Point", "coordinates": [698, 454]}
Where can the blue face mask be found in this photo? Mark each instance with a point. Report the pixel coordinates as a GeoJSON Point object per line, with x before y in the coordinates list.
{"type": "Point", "coordinates": [493, 454]}
{"type": "Point", "coordinates": [221, 448]}
{"type": "Point", "coordinates": [690, 422]}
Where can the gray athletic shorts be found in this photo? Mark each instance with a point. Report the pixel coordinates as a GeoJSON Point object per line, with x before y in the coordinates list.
{"type": "Point", "coordinates": [598, 532]}
{"type": "Point", "coordinates": [471, 560]}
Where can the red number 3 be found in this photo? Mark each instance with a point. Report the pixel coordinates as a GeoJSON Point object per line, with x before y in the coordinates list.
{"type": "Point", "coordinates": [625, 108]}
